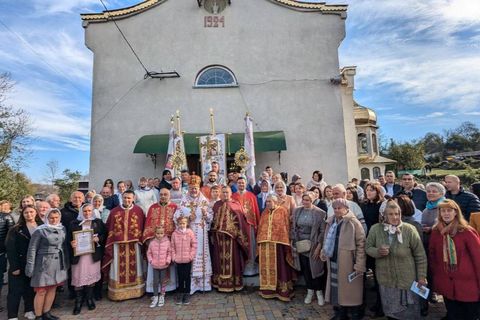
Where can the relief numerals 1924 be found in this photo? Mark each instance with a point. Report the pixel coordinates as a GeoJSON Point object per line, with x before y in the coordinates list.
{"type": "Point", "coordinates": [214, 22]}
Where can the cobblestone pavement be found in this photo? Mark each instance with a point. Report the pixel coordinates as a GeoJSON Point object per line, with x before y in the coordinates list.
{"type": "Point", "coordinates": [212, 305]}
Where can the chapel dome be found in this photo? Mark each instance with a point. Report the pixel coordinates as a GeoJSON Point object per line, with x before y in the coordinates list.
{"type": "Point", "coordinates": [363, 115]}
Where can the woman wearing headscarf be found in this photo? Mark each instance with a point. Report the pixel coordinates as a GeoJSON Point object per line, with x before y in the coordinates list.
{"type": "Point", "coordinates": [454, 259]}
{"type": "Point", "coordinates": [265, 190]}
{"type": "Point", "coordinates": [99, 209]}
{"type": "Point", "coordinates": [86, 268]}
{"type": "Point", "coordinates": [17, 242]}
{"type": "Point", "coordinates": [47, 263]}
{"type": "Point", "coordinates": [408, 211]}
{"type": "Point", "coordinates": [307, 233]}
{"type": "Point", "coordinates": [284, 199]}
{"type": "Point", "coordinates": [399, 260]}
{"type": "Point", "coordinates": [344, 251]}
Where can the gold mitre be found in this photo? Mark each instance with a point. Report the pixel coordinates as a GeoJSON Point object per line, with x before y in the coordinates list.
{"type": "Point", "coordinates": [195, 181]}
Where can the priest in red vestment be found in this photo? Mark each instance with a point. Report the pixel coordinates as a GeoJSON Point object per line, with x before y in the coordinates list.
{"type": "Point", "coordinates": [249, 202]}
{"type": "Point", "coordinates": [229, 235]}
{"type": "Point", "coordinates": [122, 261]}
{"type": "Point", "coordinates": [274, 252]}
{"type": "Point", "coordinates": [160, 214]}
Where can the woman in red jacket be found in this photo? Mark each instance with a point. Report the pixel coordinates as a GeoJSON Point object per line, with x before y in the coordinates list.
{"type": "Point", "coordinates": [454, 262]}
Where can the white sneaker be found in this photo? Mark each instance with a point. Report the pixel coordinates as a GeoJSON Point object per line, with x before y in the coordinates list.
{"type": "Point", "coordinates": [154, 302]}
{"type": "Point", "coordinates": [309, 297]}
{"type": "Point", "coordinates": [12, 318]}
{"type": "Point", "coordinates": [161, 301]}
{"type": "Point", "coordinates": [30, 315]}
{"type": "Point", "coordinates": [320, 299]}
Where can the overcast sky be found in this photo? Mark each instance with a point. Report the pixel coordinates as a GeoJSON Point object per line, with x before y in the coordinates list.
{"type": "Point", "coordinates": [418, 67]}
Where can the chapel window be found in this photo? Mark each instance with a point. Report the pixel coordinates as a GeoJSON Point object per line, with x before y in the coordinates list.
{"type": "Point", "coordinates": [362, 144]}
{"type": "Point", "coordinates": [375, 143]}
{"type": "Point", "coordinates": [365, 173]}
{"type": "Point", "coordinates": [376, 172]}
{"type": "Point", "coordinates": [215, 77]}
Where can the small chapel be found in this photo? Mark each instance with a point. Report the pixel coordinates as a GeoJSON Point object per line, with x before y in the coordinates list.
{"type": "Point", "coordinates": [276, 60]}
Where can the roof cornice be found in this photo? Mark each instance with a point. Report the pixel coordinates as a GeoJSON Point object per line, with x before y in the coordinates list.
{"type": "Point", "coordinates": [339, 9]}
{"type": "Point", "coordinates": [148, 4]}
{"type": "Point", "coordinates": [120, 13]}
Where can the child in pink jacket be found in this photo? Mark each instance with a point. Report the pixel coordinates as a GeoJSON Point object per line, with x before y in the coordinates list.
{"type": "Point", "coordinates": [159, 256]}
{"type": "Point", "coordinates": [184, 247]}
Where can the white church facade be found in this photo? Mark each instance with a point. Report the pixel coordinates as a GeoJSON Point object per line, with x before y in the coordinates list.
{"type": "Point", "coordinates": [275, 59]}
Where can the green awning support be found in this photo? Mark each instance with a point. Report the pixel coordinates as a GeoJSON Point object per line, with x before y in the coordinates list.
{"type": "Point", "coordinates": [264, 142]}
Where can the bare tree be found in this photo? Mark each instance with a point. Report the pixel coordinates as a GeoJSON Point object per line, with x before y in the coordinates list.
{"type": "Point", "coordinates": [51, 172]}
{"type": "Point", "coordinates": [15, 127]}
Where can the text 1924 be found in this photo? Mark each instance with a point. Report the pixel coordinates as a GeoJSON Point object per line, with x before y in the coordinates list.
{"type": "Point", "coordinates": [214, 22]}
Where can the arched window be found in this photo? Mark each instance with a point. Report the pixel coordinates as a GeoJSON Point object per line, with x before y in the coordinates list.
{"type": "Point", "coordinates": [375, 143]}
{"type": "Point", "coordinates": [215, 77]}
{"type": "Point", "coordinates": [362, 144]}
{"type": "Point", "coordinates": [376, 172]}
{"type": "Point", "coordinates": [365, 173]}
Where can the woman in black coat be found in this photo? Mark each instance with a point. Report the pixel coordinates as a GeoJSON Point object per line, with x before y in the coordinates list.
{"type": "Point", "coordinates": [371, 211]}
{"type": "Point", "coordinates": [17, 242]}
{"type": "Point", "coordinates": [86, 268]}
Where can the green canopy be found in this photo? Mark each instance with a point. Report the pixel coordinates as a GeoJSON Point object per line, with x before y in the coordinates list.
{"type": "Point", "coordinates": [264, 142]}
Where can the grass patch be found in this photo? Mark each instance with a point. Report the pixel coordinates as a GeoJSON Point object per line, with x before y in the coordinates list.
{"type": "Point", "coordinates": [444, 172]}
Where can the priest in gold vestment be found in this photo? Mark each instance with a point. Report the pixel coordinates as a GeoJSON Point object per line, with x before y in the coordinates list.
{"type": "Point", "coordinates": [274, 252]}
{"type": "Point", "coordinates": [122, 262]}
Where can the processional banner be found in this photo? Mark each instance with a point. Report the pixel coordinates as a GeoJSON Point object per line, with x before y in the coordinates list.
{"type": "Point", "coordinates": [212, 149]}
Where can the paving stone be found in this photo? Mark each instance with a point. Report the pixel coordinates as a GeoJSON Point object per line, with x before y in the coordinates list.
{"type": "Point", "coordinates": [246, 305]}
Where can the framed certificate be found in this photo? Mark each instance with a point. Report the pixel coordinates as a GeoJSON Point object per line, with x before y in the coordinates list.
{"type": "Point", "coordinates": [85, 242]}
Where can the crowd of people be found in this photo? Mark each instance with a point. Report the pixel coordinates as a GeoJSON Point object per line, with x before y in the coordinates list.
{"type": "Point", "coordinates": [183, 235]}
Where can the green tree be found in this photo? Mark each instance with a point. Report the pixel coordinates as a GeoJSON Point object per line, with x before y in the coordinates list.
{"type": "Point", "coordinates": [465, 137]}
{"type": "Point", "coordinates": [67, 184]}
{"type": "Point", "coordinates": [409, 155]}
{"type": "Point", "coordinates": [13, 185]}
{"type": "Point", "coordinates": [433, 143]}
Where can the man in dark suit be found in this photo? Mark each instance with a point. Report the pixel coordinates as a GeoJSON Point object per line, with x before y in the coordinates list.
{"type": "Point", "coordinates": [391, 188]}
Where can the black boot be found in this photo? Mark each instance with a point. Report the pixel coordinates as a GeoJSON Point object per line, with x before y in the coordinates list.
{"type": "Point", "coordinates": [340, 313]}
{"type": "Point", "coordinates": [48, 316]}
{"type": "Point", "coordinates": [78, 302]}
{"type": "Point", "coordinates": [357, 313]}
{"type": "Point", "coordinates": [98, 290]}
{"type": "Point", "coordinates": [90, 301]}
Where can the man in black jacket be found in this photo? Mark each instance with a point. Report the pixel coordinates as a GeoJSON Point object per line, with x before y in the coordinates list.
{"type": "Point", "coordinates": [418, 196]}
{"type": "Point", "coordinates": [6, 222]}
{"type": "Point", "coordinates": [467, 201]}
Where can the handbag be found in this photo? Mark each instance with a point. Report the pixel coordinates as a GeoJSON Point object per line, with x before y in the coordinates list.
{"type": "Point", "coordinates": [303, 246]}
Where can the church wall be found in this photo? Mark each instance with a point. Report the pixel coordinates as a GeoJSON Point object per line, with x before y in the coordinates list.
{"type": "Point", "coordinates": [267, 46]}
